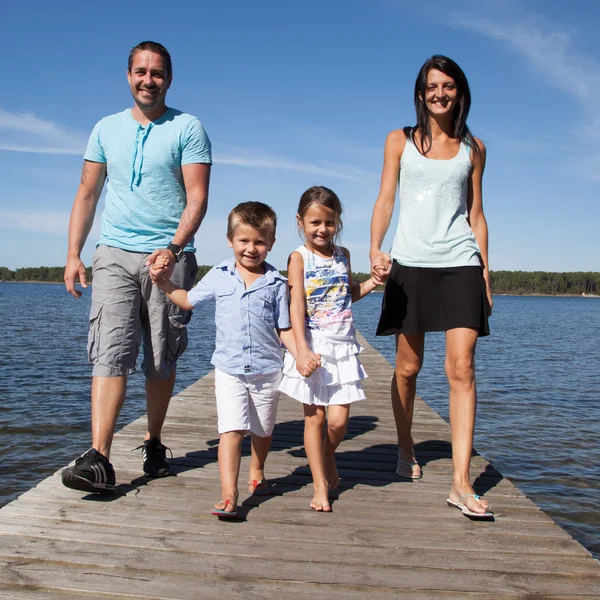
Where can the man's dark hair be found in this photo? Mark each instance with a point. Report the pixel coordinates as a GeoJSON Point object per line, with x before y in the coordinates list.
{"type": "Point", "coordinates": [152, 47]}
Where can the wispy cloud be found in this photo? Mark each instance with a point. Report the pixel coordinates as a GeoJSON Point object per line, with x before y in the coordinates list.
{"type": "Point", "coordinates": [252, 159]}
{"type": "Point", "coordinates": [25, 132]}
{"type": "Point", "coordinates": [38, 222]}
{"type": "Point", "coordinates": [548, 49]}
{"type": "Point", "coordinates": [48, 222]}
{"type": "Point", "coordinates": [16, 147]}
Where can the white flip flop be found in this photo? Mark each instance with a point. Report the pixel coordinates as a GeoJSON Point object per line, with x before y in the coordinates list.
{"type": "Point", "coordinates": [467, 511]}
{"type": "Point", "coordinates": [410, 465]}
{"type": "Point", "coordinates": [399, 465]}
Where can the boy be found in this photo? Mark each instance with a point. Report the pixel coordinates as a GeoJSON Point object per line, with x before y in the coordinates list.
{"type": "Point", "coordinates": [251, 309]}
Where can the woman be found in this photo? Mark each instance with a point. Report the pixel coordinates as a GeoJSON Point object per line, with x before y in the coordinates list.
{"type": "Point", "coordinates": [439, 277]}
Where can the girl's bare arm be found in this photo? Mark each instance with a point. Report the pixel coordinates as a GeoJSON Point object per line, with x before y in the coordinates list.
{"type": "Point", "coordinates": [306, 359]}
{"type": "Point", "coordinates": [360, 290]}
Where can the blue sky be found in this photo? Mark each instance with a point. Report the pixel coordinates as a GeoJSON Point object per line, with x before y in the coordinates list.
{"type": "Point", "coordinates": [304, 93]}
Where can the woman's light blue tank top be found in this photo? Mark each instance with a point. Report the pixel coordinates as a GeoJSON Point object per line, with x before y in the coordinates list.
{"type": "Point", "coordinates": [432, 227]}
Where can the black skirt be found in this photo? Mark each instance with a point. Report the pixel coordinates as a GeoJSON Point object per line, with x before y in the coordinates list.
{"type": "Point", "coordinates": [418, 299]}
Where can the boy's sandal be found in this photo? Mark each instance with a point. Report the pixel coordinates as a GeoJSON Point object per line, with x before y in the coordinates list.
{"type": "Point", "coordinates": [217, 512]}
{"type": "Point", "coordinates": [259, 488]}
{"type": "Point", "coordinates": [488, 514]}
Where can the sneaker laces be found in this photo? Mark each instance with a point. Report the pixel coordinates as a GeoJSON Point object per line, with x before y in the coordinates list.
{"type": "Point", "coordinates": [89, 458]}
{"type": "Point", "coordinates": [156, 446]}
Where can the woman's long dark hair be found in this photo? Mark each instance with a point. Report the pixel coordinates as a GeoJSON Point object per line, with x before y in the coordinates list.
{"type": "Point", "coordinates": [461, 112]}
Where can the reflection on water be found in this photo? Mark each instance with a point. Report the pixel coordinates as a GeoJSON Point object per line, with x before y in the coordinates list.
{"type": "Point", "coordinates": [539, 396]}
{"type": "Point", "coordinates": [45, 380]}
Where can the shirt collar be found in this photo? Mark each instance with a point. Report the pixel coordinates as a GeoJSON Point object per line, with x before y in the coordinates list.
{"type": "Point", "coordinates": [271, 273]}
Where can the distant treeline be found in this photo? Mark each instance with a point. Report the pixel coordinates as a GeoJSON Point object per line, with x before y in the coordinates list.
{"type": "Point", "coordinates": [542, 282]}
{"type": "Point", "coordinates": [55, 274]}
{"type": "Point", "coordinates": [503, 282]}
{"type": "Point", "coordinates": [48, 274]}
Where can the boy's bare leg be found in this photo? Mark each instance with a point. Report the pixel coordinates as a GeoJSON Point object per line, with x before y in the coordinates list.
{"type": "Point", "coordinates": [108, 395]}
{"type": "Point", "coordinates": [314, 421]}
{"type": "Point", "coordinates": [337, 424]}
{"type": "Point", "coordinates": [230, 455]}
{"type": "Point", "coordinates": [260, 450]}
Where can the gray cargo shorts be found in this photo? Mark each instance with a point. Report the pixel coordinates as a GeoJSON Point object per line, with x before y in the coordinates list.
{"type": "Point", "coordinates": [127, 308]}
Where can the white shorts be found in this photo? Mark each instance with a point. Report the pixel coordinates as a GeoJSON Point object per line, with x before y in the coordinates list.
{"type": "Point", "coordinates": [247, 402]}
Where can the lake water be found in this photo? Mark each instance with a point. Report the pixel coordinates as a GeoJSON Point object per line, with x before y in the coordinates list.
{"type": "Point", "coordinates": [538, 383]}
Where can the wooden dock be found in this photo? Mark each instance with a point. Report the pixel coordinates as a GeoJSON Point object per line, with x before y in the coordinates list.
{"type": "Point", "coordinates": [385, 539]}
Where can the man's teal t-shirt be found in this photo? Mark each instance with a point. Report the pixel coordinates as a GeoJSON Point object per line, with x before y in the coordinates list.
{"type": "Point", "coordinates": [145, 195]}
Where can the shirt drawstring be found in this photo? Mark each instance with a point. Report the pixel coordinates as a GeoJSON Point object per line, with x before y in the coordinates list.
{"type": "Point", "coordinates": [138, 150]}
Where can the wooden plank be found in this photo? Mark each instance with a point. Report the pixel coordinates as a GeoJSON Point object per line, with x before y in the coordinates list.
{"type": "Point", "coordinates": [302, 550]}
{"type": "Point", "coordinates": [100, 584]}
{"type": "Point", "coordinates": [284, 568]}
{"type": "Point", "coordinates": [272, 511]}
{"type": "Point", "coordinates": [371, 537]}
{"type": "Point", "coordinates": [386, 538]}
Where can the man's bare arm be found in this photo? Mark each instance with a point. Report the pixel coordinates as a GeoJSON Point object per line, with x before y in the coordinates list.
{"type": "Point", "coordinates": [92, 180]}
{"type": "Point", "coordinates": [196, 178]}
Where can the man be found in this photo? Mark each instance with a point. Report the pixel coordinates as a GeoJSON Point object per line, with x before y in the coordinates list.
{"type": "Point", "coordinates": [157, 162]}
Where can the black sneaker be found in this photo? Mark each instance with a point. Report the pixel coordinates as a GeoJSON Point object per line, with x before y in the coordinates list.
{"type": "Point", "coordinates": [154, 458]}
{"type": "Point", "coordinates": [91, 473]}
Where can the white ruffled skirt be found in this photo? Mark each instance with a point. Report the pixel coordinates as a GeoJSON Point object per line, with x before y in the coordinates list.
{"type": "Point", "coordinates": [336, 381]}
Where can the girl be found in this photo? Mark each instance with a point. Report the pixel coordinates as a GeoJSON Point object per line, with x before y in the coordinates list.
{"type": "Point", "coordinates": [440, 275]}
{"type": "Point", "coordinates": [322, 293]}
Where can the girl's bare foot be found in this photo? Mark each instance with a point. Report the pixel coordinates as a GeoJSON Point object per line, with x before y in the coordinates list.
{"type": "Point", "coordinates": [331, 472]}
{"type": "Point", "coordinates": [320, 501]}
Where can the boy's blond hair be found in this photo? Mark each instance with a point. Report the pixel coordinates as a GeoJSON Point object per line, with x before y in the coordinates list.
{"type": "Point", "coordinates": [257, 215]}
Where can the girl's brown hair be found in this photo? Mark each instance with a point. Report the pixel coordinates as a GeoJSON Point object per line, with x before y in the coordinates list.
{"type": "Point", "coordinates": [322, 196]}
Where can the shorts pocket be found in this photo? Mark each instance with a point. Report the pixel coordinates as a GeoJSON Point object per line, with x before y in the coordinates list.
{"type": "Point", "coordinates": [94, 333]}
{"type": "Point", "coordinates": [177, 340]}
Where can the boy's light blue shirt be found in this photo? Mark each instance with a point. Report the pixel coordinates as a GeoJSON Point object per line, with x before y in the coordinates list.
{"type": "Point", "coordinates": [145, 194]}
{"type": "Point", "coordinates": [247, 342]}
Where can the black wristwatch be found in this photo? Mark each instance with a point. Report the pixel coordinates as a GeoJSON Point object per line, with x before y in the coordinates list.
{"type": "Point", "coordinates": [176, 250]}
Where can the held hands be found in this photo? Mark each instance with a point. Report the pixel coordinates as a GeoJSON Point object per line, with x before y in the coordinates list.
{"type": "Point", "coordinates": [74, 270]}
{"type": "Point", "coordinates": [161, 263]}
{"type": "Point", "coordinates": [307, 362]}
{"type": "Point", "coordinates": [381, 267]}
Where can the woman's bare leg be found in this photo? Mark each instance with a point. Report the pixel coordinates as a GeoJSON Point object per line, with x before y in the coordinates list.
{"type": "Point", "coordinates": [409, 359]}
{"type": "Point", "coordinates": [460, 370]}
